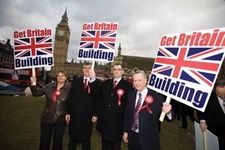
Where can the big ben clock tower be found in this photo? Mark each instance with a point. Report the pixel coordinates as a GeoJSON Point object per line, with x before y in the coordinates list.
{"type": "Point", "coordinates": [62, 36]}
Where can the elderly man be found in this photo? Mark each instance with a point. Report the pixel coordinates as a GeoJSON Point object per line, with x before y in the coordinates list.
{"type": "Point", "coordinates": [141, 125]}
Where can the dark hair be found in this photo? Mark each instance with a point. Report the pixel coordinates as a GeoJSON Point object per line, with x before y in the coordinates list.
{"type": "Point", "coordinates": [62, 73]}
{"type": "Point", "coordinates": [86, 63]}
{"type": "Point", "coordinates": [118, 64]}
{"type": "Point", "coordinates": [220, 83]}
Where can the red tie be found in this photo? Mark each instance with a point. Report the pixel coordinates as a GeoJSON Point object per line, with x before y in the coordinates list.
{"type": "Point", "coordinates": [114, 84]}
{"type": "Point", "coordinates": [85, 84]}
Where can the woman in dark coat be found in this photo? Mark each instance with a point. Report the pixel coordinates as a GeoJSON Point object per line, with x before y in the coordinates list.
{"type": "Point", "coordinates": [53, 117]}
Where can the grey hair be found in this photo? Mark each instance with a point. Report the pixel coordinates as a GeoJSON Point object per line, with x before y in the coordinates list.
{"type": "Point", "coordinates": [140, 72]}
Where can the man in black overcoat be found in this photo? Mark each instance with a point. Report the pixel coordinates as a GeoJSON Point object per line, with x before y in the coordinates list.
{"type": "Point", "coordinates": [82, 108]}
{"type": "Point", "coordinates": [214, 116]}
{"type": "Point", "coordinates": [112, 107]}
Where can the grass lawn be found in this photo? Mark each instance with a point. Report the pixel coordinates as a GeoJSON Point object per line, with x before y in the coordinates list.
{"type": "Point", "coordinates": [20, 120]}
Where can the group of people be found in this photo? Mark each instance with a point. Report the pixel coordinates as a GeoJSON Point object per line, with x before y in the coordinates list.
{"type": "Point", "coordinates": [122, 111]}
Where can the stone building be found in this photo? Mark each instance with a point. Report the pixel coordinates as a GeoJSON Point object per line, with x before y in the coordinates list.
{"type": "Point", "coordinates": [6, 54]}
{"type": "Point", "coordinates": [130, 63]}
{"type": "Point", "coordinates": [62, 39]}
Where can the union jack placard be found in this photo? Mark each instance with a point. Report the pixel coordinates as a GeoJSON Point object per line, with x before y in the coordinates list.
{"type": "Point", "coordinates": [98, 41]}
{"type": "Point", "coordinates": [187, 65]}
{"type": "Point", "coordinates": [33, 48]}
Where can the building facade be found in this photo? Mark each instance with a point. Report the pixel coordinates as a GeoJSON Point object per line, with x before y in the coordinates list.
{"type": "Point", "coordinates": [130, 63]}
{"type": "Point", "coordinates": [62, 39]}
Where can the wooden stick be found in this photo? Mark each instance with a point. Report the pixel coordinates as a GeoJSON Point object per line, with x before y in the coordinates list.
{"type": "Point", "coordinates": [34, 75]}
{"type": "Point", "coordinates": [161, 118]}
{"type": "Point", "coordinates": [205, 140]}
{"type": "Point", "coordinates": [93, 65]}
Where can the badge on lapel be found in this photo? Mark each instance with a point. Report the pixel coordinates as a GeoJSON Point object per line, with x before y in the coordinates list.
{"type": "Point", "coordinates": [120, 93]}
{"type": "Point", "coordinates": [148, 101]}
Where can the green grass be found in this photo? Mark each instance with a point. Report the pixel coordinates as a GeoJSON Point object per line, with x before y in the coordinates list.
{"type": "Point", "coordinates": [20, 120]}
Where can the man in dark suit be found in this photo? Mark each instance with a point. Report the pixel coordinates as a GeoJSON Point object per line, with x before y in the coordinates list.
{"type": "Point", "coordinates": [112, 107]}
{"type": "Point", "coordinates": [82, 109]}
{"type": "Point", "coordinates": [141, 122]}
{"type": "Point", "coordinates": [214, 116]}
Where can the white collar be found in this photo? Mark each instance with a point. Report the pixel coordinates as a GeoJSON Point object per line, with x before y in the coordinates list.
{"type": "Point", "coordinates": [117, 79]}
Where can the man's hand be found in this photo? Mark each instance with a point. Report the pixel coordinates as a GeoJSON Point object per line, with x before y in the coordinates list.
{"type": "Point", "coordinates": [92, 74]}
{"type": "Point", "coordinates": [94, 119]}
{"type": "Point", "coordinates": [33, 80]}
{"type": "Point", "coordinates": [203, 126]}
{"type": "Point", "coordinates": [67, 118]}
{"type": "Point", "coordinates": [166, 108]}
{"type": "Point", "coordinates": [125, 137]}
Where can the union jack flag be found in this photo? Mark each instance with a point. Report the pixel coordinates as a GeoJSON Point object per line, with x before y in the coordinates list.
{"type": "Point", "coordinates": [196, 65]}
{"type": "Point", "coordinates": [98, 39]}
{"type": "Point", "coordinates": [33, 46]}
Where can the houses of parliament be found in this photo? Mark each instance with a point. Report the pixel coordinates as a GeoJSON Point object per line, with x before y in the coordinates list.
{"type": "Point", "coordinates": [62, 40]}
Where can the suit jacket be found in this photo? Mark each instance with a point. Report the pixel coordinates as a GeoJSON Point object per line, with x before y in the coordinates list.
{"type": "Point", "coordinates": [111, 115]}
{"type": "Point", "coordinates": [148, 122]}
{"type": "Point", "coordinates": [82, 106]}
{"type": "Point", "coordinates": [215, 117]}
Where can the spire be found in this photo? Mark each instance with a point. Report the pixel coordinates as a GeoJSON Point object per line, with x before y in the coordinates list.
{"type": "Point", "coordinates": [64, 19]}
{"type": "Point", "coordinates": [65, 13]}
{"type": "Point", "coordinates": [119, 50]}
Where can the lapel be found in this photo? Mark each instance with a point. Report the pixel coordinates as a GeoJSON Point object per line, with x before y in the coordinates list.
{"type": "Point", "coordinates": [150, 106]}
{"type": "Point", "coordinates": [133, 100]}
{"type": "Point", "coordinates": [82, 80]}
{"type": "Point", "coordinates": [217, 104]}
{"type": "Point", "coordinates": [118, 84]}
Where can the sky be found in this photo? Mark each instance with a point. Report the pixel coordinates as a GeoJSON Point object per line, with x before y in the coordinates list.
{"type": "Point", "coordinates": [141, 22]}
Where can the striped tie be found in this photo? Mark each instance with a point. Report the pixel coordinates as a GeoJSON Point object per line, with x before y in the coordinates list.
{"type": "Point", "coordinates": [135, 125]}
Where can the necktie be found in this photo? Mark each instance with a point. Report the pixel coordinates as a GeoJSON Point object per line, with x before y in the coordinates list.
{"type": "Point", "coordinates": [135, 124]}
{"type": "Point", "coordinates": [85, 84]}
{"type": "Point", "coordinates": [114, 84]}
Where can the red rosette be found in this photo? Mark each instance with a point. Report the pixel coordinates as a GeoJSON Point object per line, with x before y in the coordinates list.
{"type": "Point", "coordinates": [57, 93]}
{"type": "Point", "coordinates": [148, 101]}
{"type": "Point", "coordinates": [120, 93]}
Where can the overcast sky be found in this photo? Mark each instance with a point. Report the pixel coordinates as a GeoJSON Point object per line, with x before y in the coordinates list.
{"type": "Point", "coordinates": [141, 22]}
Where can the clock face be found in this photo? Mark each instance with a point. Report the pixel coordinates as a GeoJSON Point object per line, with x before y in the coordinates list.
{"type": "Point", "coordinates": [60, 33]}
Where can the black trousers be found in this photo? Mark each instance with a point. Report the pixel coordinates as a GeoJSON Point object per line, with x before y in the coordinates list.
{"type": "Point", "coordinates": [186, 112]}
{"type": "Point", "coordinates": [133, 141]}
{"type": "Point", "coordinates": [73, 145]}
{"type": "Point", "coordinates": [47, 131]}
{"type": "Point", "coordinates": [108, 145]}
